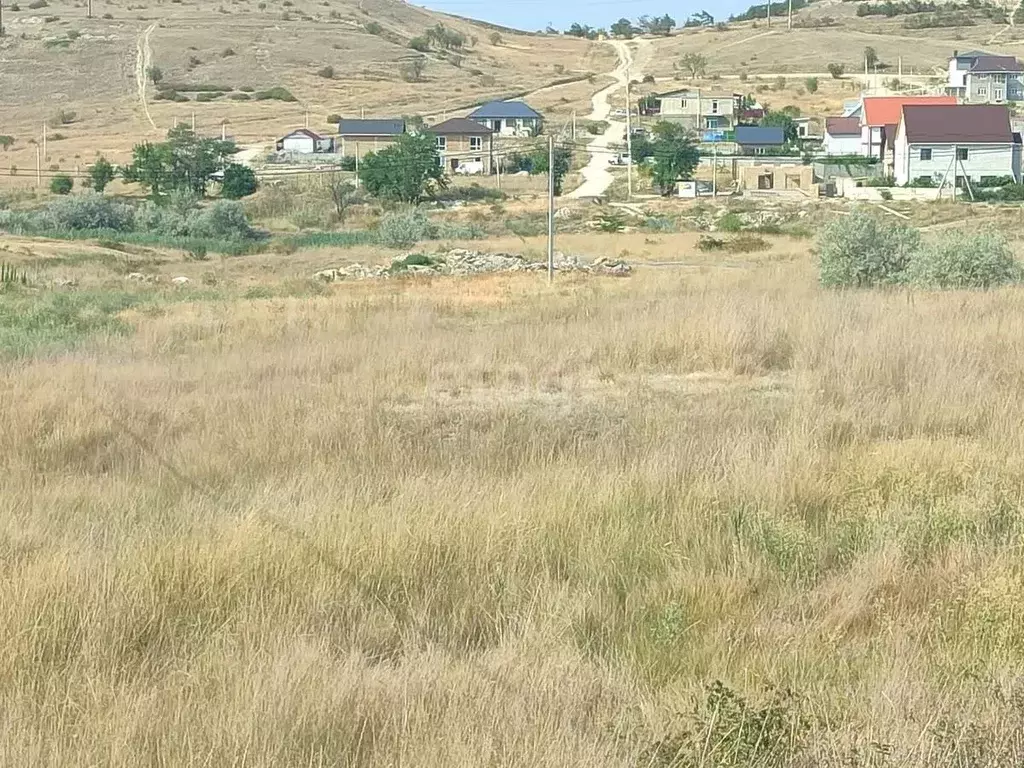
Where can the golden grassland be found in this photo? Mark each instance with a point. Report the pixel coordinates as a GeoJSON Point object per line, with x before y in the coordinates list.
{"type": "Point", "coordinates": [494, 522]}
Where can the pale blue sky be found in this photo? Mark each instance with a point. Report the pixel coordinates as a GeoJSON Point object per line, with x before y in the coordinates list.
{"type": "Point", "coordinates": [532, 15]}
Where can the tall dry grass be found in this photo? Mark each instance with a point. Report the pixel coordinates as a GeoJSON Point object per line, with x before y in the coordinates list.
{"type": "Point", "coordinates": [488, 523]}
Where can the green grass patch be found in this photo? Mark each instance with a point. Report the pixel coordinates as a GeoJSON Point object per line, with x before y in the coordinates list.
{"type": "Point", "coordinates": [326, 240]}
{"type": "Point", "coordinates": [274, 94]}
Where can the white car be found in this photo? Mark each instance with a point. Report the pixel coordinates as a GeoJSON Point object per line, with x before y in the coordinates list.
{"type": "Point", "coordinates": [619, 113]}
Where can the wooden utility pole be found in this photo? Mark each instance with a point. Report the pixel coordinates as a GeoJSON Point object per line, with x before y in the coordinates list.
{"type": "Point", "coordinates": [39, 175]}
{"type": "Point", "coordinates": [88, 13]}
{"type": "Point", "coordinates": [551, 208]}
{"type": "Point", "coordinates": [1, 18]}
{"type": "Point", "coordinates": [769, 14]}
{"type": "Point", "coordinates": [790, 25]}
{"type": "Point", "coordinates": [629, 142]}
{"type": "Point", "coordinates": [44, 139]}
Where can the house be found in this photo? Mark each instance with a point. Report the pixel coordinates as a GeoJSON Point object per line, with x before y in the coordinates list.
{"type": "Point", "coordinates": [699, 110]}
{"type": "Point", "coordinates": [464, 146]}
{"type": "Point", "coordinates": [981, 78]}
{"type": "Point", "coordinates": [842, 136]}
{"type": "Point", "coordinates": [359, 137]}
{"type": "Point", "coordinates": [778, 178]}
{"type": "Point", "coordinates": [881, 114]}
{"type": "Point", "coordinates": [303, 141]}
{"type": "Point", "coordinates": [940, 144]}
{"type": "Point", "coordinates": [806, 128]}
{"type": "Point", "coordinates": [509, 118]}
{"type": "Point", "coordinates": [757, 139]}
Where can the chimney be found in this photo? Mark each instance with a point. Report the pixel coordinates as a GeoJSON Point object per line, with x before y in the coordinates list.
{"type": "Point", "coordinates": [955, 53]}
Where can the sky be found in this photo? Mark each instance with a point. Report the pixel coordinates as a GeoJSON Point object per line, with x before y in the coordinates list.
{"type": "Point", "coordinates": [532, 15]}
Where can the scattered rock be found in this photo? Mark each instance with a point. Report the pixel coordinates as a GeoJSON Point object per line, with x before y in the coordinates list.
{"type": "Point", "coordinates": [180, 280]}
{"type": "Point", "coordinates": [140, 277]}
{"type": "Point", "coordinates": [462, 262]}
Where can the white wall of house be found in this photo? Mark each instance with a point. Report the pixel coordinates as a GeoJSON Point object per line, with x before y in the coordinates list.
{"type": "Point", "coordinates": [842, 144]}
{"type": "Point", "coordinates": [936, 161]}
{"type": "Point", "coordinates": [871, 144]}
{"type": "Point", "coordinates": [298, 143]}
{"type": "Point", "coordinates": [958, 73]}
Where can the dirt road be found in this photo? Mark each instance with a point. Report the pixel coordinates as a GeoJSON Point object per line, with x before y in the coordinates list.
{"type": "Point", "coordinates": [143, 61]}
{"type": "Point", "coordinates": [596, 176]}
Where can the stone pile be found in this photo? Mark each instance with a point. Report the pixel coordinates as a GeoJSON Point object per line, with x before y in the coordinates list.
{"type": "Point", "coordinates": [463, 262]}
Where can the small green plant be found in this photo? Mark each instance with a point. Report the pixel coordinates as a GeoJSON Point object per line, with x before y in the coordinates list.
{"type": "Point", "coordinates": [61, 184]}
{"type": "Point", "coordinates": [373, 28]}
{"type": "Point", "coordinates": [611, 222]}
{"type": "Point", "coordinates": [412, 260]}
{"type": "Point", "coordinates": [811, 84]}
{"type": "Point", "coordinates": [420, 44]}
{"type": "Point", "coordinates": [6, 142]}
{"type": "Point", "coordinates": [885, 194]}
{"type": "Point", "coordinates": [731, 222]}
{"type": "Point", "coordinates": [155, 74]}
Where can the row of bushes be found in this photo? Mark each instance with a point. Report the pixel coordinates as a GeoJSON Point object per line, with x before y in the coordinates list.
{"type": "Point", "coordinates": [223, 220]}
{"type": "Point", "coordinates": [860, 251]}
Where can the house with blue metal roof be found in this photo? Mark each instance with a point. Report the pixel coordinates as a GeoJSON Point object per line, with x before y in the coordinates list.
{"type": "Point", "coordinates": [758, 139]}
{"type": "Point", "coordinates": [509, 118]}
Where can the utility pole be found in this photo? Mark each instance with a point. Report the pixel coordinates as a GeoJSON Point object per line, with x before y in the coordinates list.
{"type": "Point", "coordinates": [551, 208]}
{"type": "Point", "coordinates": [223, 130]}
{"type": "Point", "coordinates": [39, 175]}
{"type": "Point", "coordinates": [193, 122]}
{"type": "Point", "coordinates": [574, 125]}
{"type": "Point", "coordinates": [629, 142]}
{"type": "Point", "coordinates": [357, 165]}
{"type": "Point", "coordinates": [88, 13]}
{"type": "Point", "coordinates": [769, 14]}
{"type": "Point", "coordinates": [306, 119]}
{"type": "Point", "coordinates": [790, 25]}
{"type": "Point", "coordinates": [44, 139]}
{"type": "Point", "coordinates": [1, 18]}
{"type": "Point", "coordinates": [714, 170]}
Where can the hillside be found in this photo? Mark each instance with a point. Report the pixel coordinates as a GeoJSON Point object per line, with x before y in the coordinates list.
{"type": "Point", "coordinates": [55, 58]}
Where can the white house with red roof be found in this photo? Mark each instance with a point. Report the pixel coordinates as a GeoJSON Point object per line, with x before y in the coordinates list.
{"type": "Point", "coordinates": [303, 141]}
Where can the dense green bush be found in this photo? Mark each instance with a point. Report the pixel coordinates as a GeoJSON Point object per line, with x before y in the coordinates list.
{"type": "Point", "coordinates": [62, 184]}
{"type": "Point", "coordinates": [239, 181]}
{"type": "Point", "coordinates": [962, 259]}
{"type": "Point", "coordinates": [401, 229]}
{"type": "Point", "coordinates": [860, 250]}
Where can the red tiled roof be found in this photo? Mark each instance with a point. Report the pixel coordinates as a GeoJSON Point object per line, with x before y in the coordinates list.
{"type": "Point", "coordinates": [885, 110]}
{"type": "Point", "coordinates": [966, 123]}
{"type": "Point", "coordinates": [842, 126]}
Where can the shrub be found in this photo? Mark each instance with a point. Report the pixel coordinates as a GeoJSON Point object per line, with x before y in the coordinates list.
{"type": "Point", "coordinates": [89, 211]}
{"type": "Point", "coordinates": [274, 94]}
{"type": "Point", "coordinates": [731, 222]}
{"type": "Point", "coordinates": [35, 5]}
{"type": "Point", "coordinates": [6, 142]}
{"type": "Point", "coordinates": [495, 38]}
{"type": "Point", "coordinates": [412, 70]}
{"type": "Point", "coordinates": [373, 28]}
{"type": "Point", "coordinates": [962, 259]}
{"type": "Point", "coordinates": [859, 250]}
{"type": "Point", "coordinates": [227, 52]}
{"type": "Point", "coordinates": [155, 74]}
{"type": "Point", "coordinates": [401, 229]}
{"type": "Point", "coordinates": [811, 83]}
{"type": "Point", "coordinates": [239, 181]}
{"type": "Point", "coordinates": [62, 184]}
{"type": "Point", "coordinates": [239, 96]}
{"type": "Point", "coordinates": [836, 70]}
{"type": "Point", "coordinates": [62, 117]}
{"type": "Point", "coordinates": [327, 73]}
{"type": "Point", "coordinates": [420, 44]}
{"type": "Point", "coordinates": [224, 220]}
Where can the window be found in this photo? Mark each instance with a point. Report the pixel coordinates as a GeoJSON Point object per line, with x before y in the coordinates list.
{"type": "Point", "coordinates": [998, 94]}
{"type": "Point", "coordinates": [961, 153]}
{"type": "Point", "coordinates": [476, 143]}
{"type": "Point", "coordinates": [714, 107]}
{"type": "Point", "coordinates": [442, 143]}
{"type": "Point", "coordinates": [682, 103]}
{"type": "Point", "coordinates": [1000, 78]}
{"type": "Point", "coordinates": [926, 153]}
{"type": "Point", "coordinates": [983, 91]}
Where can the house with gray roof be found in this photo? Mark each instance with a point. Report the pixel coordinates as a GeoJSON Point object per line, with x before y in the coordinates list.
{"type": "Point", "coordinates": [976, 77]}
{"type": "Point", "coordinates": [509, 118]}
{"type": "Point", "coordinates": [759, 139]}
{"type": "Point", "coordinates": [358, 137]}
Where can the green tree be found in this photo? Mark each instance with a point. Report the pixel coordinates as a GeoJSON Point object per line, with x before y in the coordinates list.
{"type": "Point", "coordinates": [406, 171]}
{"type": "Point", "coordinates": [701, 19]}
{"type": "Point", "coordinates": [62, 184]}
{"type": "Point", "coordinates": [694, 63]}
{"type": "Point", "coordinates": [239, 181]}
{"type": "Point", "coordinates": [183, 162]}
{"type": "Point", "coordinates": [836, 70]}
{"type": "Point", "coordinates": [870, 57]}
{"type": "Point", "coordinates": [155, 74]}
{"type": "Point", "coordinates": [101, 173]}
{"type": "Point", "coordinates": [656, 25]}
{"type": "Point", "coordinates": [783, 121]}
{"type": "Point", "coordinates": [675, 156]}
{"type": "Point", "coordinates": [623, 28]}
{"type": "Point", "coordinates": [563, 159]}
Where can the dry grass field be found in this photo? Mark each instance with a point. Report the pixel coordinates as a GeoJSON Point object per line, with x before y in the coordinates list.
{"type": "Point", "coordinates": [489, 521]}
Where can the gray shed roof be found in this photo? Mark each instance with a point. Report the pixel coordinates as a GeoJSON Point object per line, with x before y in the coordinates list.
{"type": "Point", "coordinates": [765, 135]}
{"type": "Point", "coordinates": [374, 127]}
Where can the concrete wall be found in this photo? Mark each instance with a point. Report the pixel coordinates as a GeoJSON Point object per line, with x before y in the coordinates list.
{"type": "Point", "coordinates": [848, 188]}
{"type": "Point", "coordinates": [842, 145]}
{"type": "Point", "coordinates": [361, 146]}
{"type": "Point", "coordinates": [783, 178]}
{"type": "Point", "coordinates": [826, 170]}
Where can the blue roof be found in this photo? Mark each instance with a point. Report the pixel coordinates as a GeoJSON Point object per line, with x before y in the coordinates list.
{"type": "Point", "coordinates": [767, 135]}
{"type": "Point", "coordinates": [503, 110]}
